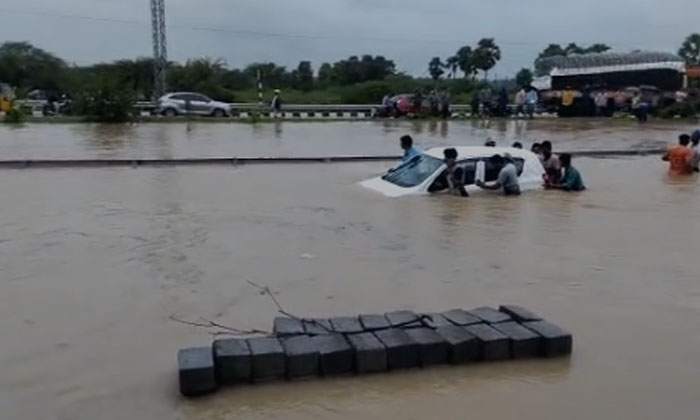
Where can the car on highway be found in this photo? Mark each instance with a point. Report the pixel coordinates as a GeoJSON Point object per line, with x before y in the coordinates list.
{"type": "Point", "coordinates": [427, 172]}
{"type": "Point", "coordinates": [188, 103]}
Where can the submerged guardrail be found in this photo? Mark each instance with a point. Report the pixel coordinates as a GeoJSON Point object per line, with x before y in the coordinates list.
{"type": "Point", "coordinates": [235, 161]}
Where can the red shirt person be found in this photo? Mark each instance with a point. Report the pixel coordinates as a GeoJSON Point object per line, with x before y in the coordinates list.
{"type": "Point", "coordinates": [680, 157]}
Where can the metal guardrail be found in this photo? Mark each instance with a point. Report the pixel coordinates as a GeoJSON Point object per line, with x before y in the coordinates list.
{"type": "Point", "coordinates": [233, 161]}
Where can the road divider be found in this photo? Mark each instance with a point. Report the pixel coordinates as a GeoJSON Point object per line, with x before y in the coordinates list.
{"type": "Point", "coordinates": [236, 161]}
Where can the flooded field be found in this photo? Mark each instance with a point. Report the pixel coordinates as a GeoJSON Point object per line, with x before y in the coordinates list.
{"type": "Point", "coordinates": [288, 139]}
{"type": "Point", "coordinates": [94, 261]}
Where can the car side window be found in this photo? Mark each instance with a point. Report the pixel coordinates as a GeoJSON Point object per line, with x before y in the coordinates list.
{"type": "Point", "coordinates": [179, 97]}
{"type": "Point", "coordinates": [198, 98]}
{"type": "Point", "coordinates": [468, 168]}
{"type": "Point", "coordinates": [492, 170]}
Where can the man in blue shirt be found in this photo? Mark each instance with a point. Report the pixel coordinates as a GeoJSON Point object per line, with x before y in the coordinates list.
{"type": "Point", "coordinates": [409, 152]}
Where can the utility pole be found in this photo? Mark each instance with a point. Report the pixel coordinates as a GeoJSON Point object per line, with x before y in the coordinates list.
{"type": "Point", "coordinates": [160, 48]}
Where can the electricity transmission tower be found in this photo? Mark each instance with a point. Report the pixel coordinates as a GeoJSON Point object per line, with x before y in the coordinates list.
{"type": "Point", "coordinates": [160, 48]}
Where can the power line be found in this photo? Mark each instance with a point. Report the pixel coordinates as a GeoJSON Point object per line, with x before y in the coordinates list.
{"type": "Point", "coordinates": [238, 31]}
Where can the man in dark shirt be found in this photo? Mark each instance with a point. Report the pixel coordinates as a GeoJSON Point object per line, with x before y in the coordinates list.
{"type": "Point", "coordinates": [455, 174]}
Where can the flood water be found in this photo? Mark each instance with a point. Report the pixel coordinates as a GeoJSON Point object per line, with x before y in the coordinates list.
{"type": "Point", "coordinates": [93, 262]}
{"type": "Point", "coordinates": [293, 139]}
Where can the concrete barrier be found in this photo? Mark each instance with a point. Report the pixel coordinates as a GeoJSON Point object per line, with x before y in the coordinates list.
{"type": "Point", "coordinates": [234, 161]}
{"type": "Point", "coordinates": [371, 344]}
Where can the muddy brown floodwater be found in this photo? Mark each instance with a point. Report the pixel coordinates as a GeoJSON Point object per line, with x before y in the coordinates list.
{"type": "Point", "coordinates": [290, 139]}
{"type": "Point", "coordinates": [94, 261]}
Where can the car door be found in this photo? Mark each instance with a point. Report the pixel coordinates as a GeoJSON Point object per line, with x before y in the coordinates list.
{"type": "Point", "coordinates": [178, 101]}
{"type": "Point", "coordinates": [200, 104]}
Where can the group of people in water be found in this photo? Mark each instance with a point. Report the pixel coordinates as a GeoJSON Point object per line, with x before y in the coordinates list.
{"type": "Point", "coordinates": [559, 172]}
{"type": "Point", "coordinates": [684, 158]}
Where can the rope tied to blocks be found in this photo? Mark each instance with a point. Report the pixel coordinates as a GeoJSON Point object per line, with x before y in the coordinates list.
{"type": "Point", "coordinates": [225, 330]}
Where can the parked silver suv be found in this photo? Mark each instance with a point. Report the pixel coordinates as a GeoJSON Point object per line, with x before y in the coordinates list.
{"type": "Point", "coordinates": [187, 103]}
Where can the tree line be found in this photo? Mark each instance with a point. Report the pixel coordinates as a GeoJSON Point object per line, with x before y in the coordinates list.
{"type": "Point", "coordinates": [363, 78]}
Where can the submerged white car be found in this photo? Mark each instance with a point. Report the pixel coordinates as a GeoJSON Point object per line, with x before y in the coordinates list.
{"type": "Point", "coordinates": [426, 173]}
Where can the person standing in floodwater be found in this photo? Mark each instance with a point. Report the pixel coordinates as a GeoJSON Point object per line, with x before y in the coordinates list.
{"type": "Point", "coordinates": [571, 178]}
{"type": "Point", "coordinates": [409, 152]}
{"type": "Point", "coordinates": [455, 175]}
{"type": "Point", "coordinates": [507, 177]}
{"type": "Point", "coordinates": [679, 157]}
{"type": "Point", "coordinates": [695, 149]}
{"type": "Point", "coordinates": [551, 164]}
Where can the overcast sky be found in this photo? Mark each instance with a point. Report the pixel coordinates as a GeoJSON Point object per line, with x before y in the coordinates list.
{"type": "Point", "coordinates": [408, 31]}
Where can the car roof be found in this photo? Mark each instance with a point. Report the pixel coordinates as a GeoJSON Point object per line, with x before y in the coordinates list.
{"type": "Point", "coordinates": [466, 152]}
{"type": "Point", "coordinates": [184, 93]}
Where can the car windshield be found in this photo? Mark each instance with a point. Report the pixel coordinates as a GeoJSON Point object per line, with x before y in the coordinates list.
{"type": "Point", "coordinates": [413, 172]}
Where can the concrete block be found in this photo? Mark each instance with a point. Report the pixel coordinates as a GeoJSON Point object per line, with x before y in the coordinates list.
{"type": "Point", "coordinates": [233, 361]}
{"type": "Point", "coordinates": [556, 341]}
{"type": "Point", "coordinates": [463, 347]}
{"type": "Point", "coordinates": [524, 343]}
{"type": "Point", "coordinates": [519, 313]}
{"type": "Point", "coordinates": [435, 321]}
{"type": "Point", "coordinates": [461, 317]}
{"type": "Point", "coordinates": [317, 326]}
{"type": "Point", "coordinates": [402, 351]}
{"type": "Point", "coordinates": [490, 315]}
{"type": "Point", "coordinates": [302, 357]}
{"type": "Point", "coordinates": [335, 354]}
{"type": "Point", "coordinates": [404, 319]}
{"type": "Point", "coordinates": [370, 353]}
{"type": "Point", "coordinates": [493, 344]}
{"type": "Point", "coordinates": [285, 326]}
{"type": "Point", "coordinates": [269, 360]}
{"type": "Point", "coordinates": [346, 325]}
{"type": "Point", "coordinates": [433, 348]}
{"type": "Point", "coordinates": [374, 322]}
{"type": "Point", "coordinates": [196, 371]}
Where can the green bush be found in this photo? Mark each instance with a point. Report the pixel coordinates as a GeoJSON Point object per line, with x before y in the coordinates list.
{"type": "Point", "coordinates": [682, 109]}
{"type": "Point", "coordinates": [105, 100]}
{"type": "Point", "coordinates": [14, 116]}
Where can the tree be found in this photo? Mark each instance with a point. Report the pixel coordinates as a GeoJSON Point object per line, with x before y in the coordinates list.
{"type": "Point", "coordinates": [486, 55]}
{"type": "Point", "coordinates": [465, 60]}
{"type": "Point", "coordinates": [27, 67]}
{"type": "Point", "coordinates": [554, 50]}
{"type": "Point", "coordinates": [690, 50]}
{"type": "Point", "coordinates": [524, 78]}
{"type": "Point", "coordinates": [436, 68]}
{"type": "Point", "coordinates": [325, 73]}
{"type": "Point", "coordinates": [598, 48]}
{"type": "Point", "coordinates": [356, 70]}
{"type": "Point", "coordinates": [452, 64]}
{"type": "Point", "coordinates": [304, 76]}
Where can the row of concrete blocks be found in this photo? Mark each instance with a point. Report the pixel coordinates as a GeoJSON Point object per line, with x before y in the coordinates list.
{"type": "Point", "coordinates": [371, 343]}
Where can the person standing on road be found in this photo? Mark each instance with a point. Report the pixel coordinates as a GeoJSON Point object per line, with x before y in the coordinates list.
{"type": "Point", "coordinates": [520, 102]}
{"type": "Point", "coordinates": [531, 99]}
{"type": "Point", "coordinates": [507, 177]}
{"type": "Point", "coordinates": [679, 157]}
{"type": "Point", "coordinates": [276, 103]}
{"type": "Point", "coordinates": [409, 152]}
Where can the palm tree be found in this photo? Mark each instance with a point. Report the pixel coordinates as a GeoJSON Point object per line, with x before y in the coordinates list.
{"type": "Point", "coordinates": [452, 64]}
{"type": "Point", "coordinates": [465, 60]}
{"type": "Point", "coordinates": [486, 55]}
{"type": "Point", "coordinates": [436, 68]}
